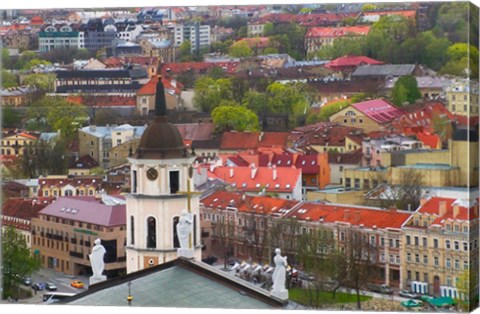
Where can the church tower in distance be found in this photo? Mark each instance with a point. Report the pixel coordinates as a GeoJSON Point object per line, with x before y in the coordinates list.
{"type": "Point", "coordinates": [160, 175]}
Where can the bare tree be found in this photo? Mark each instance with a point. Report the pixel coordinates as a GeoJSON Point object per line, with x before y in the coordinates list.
{"type": "Point", "coordinates": [223, 230]}
{"type": "Point", "coordinates": [315, 249]}
{"type": "Point", "coordinates": [405, 193]}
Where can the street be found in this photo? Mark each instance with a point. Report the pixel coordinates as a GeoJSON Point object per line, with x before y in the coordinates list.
{"type": "Point", "coordinates": [62, 282]}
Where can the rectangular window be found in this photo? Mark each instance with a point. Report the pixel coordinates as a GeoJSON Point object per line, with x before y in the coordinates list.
{"type": "Point", "coordinates": [457, 264]}
{"type": "Point", "coordinates": [409, 275]}
{"type": "Point", "coordinates": [425, 277]}
{"type": "Point", "coordinates": [424, 241]}
{"type": "Point", "coordinates": [382, 241]}
{"type": "Point", "coordinates": [397, 243]}
{"type": "Point", "coordinates": [416, 241]}
{"type": "Point", "coordinates": [408, 240]}
{"type": "Point", "coordinates": [348, 182]}
{"type": "Point", "coordinates": [448, 263]}
{"type": "Point", "coordinates": [435, 261]}
{"type": "Point", "coordinates": [425, 259]}
{"type": "Point", "coordinates": [357, 183]}
{"type": "Point", "coordinates": [465, 246]}
{"type": "Point", "coordinates": [409, 257]}
{"type": "Point", "coordinates": [435, 243]}
{"type": "Point", "coordinates": [456, 245]}
{"type": "Point", "coordinates": [417, 258]}
{"type": "Point", "coordinates": [447, 244]}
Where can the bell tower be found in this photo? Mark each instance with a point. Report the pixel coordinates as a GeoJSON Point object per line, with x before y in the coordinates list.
{"type": "Point", "coordinates": [160, 171]}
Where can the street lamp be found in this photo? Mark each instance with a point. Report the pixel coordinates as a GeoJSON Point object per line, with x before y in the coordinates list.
{"type": "Point", "coordinates": [129, 298]}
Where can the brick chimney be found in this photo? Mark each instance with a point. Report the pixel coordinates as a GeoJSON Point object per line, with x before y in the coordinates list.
{"type": "Point", "coordinates": [456, 210]}
{"type": "Point", "coordinates": [442, 208]}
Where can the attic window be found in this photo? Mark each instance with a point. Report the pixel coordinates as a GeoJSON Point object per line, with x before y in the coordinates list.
{"type": "Point", "coordinates": [289, 162]}
{"type": "Point", "coordinates": [303, 162]}
{"type": "Point", "coordinates": [302, 211]}
{"type": "Point", "coordinates": [277, 186]}
{"type": "Point", "coordinates": [287, 186]}
{"type": "Point", "coordinates": [258, 185]}
{"type": "Point", "coordinates": [313, 162]}
{"type": "Point", "coordinates": [234, 184]}
{"type": "Point", "coordinates": [215, 200]}
{"type": "Point", "coordinates": [279, 162]}
{"type": "Point", "coordinates": [244, 185]}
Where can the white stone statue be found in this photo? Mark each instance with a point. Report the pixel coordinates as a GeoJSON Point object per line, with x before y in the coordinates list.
{"type": "Point", "coordinates": [98, 265]}
{"type": "Point", "coordinates": [184, 229]}
{"type": "Point", "coordinates": [279, 276]}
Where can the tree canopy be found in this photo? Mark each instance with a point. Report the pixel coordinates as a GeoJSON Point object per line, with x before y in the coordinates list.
{"type": "Point", "coordinates": [210, 92]}
{"type": "Point", "coordinates": [18, 261]}
{"type": "Point", "coordinates": [230, 116]}
{"type": "Point", "coordinates": [404, 90]}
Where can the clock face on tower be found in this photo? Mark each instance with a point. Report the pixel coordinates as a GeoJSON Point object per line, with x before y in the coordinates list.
{"type": "Point", "coordinates": [152, 174]}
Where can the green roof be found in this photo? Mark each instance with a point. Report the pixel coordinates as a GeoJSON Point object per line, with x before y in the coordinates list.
{"type": "Point", "coordinates": [178, 286]}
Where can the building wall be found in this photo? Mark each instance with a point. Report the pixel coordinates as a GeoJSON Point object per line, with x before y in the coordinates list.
{"type": "Point", "coordinates": [448, 264]}
{"type": "Point", "coordinates": [430, 177]}
{"type": "Point", "coordinates": [63, 245]}
{"type": "Point", "coordinates": [347, 197]}
{"type": "Point", "coordinates": [89, 145]}
{"type": "Point", "coordinates": [15, 145]}
{"type": "Point", "coordinates": [120, 153]}
{"type": "Point", "coordinates": [354, 118]}
{"type": "Point", "coordinates": [362, 178]}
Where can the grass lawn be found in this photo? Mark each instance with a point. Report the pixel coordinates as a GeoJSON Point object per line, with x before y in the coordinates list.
{"type": "Point", "coordinates": [301, 296]}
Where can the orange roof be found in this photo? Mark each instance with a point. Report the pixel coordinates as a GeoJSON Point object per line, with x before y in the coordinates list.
{"type": "Point", "coordinates": [431, 140]}
{"type": "Point", "coordinates": [286, 179]}
{"type": "Point", "coordinates": [466, 211]}
{"type": "Point", "coordinates": [150, 88]}
{"type": "Point", "coordinates": [327, 32]}
{"type": "Point", "coordinates": [247, 203]}
{"type": "Point", "coordinates": [408, 14]}
{"type": "Point", "coordinates": [250, 140]}
{"type": "Point", "coordinates": [368, 217]}
{"type": "Point", "coordinates": [32, 137]}
{"type": "Point", "coordinates": [256, 42]}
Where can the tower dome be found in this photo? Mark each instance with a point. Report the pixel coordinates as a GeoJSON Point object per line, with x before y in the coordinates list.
{"type": "Point", "coordinates": [161, 139]}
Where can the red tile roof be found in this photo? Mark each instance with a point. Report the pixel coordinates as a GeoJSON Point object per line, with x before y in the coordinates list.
{"type": "Point", "coordinates": [466, 211]}
{"type": "Point", "coordinates": [328, 32]}
{"type": "Point", "coordinates": [106, 101]}
{"type": "Point", "coordinates": [407, 14]}
{"type": "Point", "coordinates": [350, 61]}
{"type": "Point", "coordinates": [432, 140]}
{"type": "Point", "coordinates": [379, 110]}
{"type": "Point", "coordinates": [263, 177]}
{"type": "Point", "coordinates": [368, 217]}
{"type": "Point", "coordinates": [246, 203]}
{"type": "Point", "coordinates": [256, 42]}
{"type": "Point", "coordinates": [84, 162]}
{"type": "Point", "coordinates": [169, 69]}
{"type": "Point", "coordinates": [251, 140]}
{"type": "Point", "coordinates": [17, 210]}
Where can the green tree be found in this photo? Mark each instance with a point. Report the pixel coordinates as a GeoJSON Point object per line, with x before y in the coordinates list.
{"type": "Point", "coordinates": [257, 102]}
{"type": "Point", "coordinates": [385, 37]}
{"type": "Point", "coordinates": [209, 93]}
{"type": "Point", "coordinates": [242, 32]}
{"type": "Point", "coordinates": [240, 49]}
{"type": "Point", "coordinates": [404, 90]}
{"type": "Point", "coordinates": [268, 29]}
{"type": "Point", "coordinates": [367, 7]}
{"type": "Point", "coordinates": [344, 46]}
{"type": "Point", "coordinates": [44, 82]}
{"type": "Point", "coordinates": [10, 118]}
{"type": "Point", "coordinates": [24, 58]}
{"type": "Point", "coordinates": [229, 116]}
{"type": "Point", "coordinates": [45, 158]}
{"type": "Point", "coordinates": [292, 98]}
{"type": "Point", "coordinates": [8, 79]}
{"type": "Point", "coordinates": [5, 60]}
{"type": "Point", "coordinates": [452, 20]}
{"type": "Point", "coordinates": [18, 262]}
{"type": "Point", "coordinates": [462, 59]}
{"type": "Point", "coordinates": [59, 114]}
{"type": "Point", "coordinates": [30, 64]}
{"type": "Point", "coordinates": [185, 51]}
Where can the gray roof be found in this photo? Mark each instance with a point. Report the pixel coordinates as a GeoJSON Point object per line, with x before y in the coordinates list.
{"type": "Point", "coordinates": [48, 136]}
{"type": "Point", "coordinates": [180, 283]}
{"type": "Point", "coordinates": [87, 210]}
{"type": "Point", "coordinates": [384, 70]}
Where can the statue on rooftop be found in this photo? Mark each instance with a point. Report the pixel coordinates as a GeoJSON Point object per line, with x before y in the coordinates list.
{"type": "Point", "coordinates": [279, 276]}
{"type": "Point", "coordinates": [96, 260]}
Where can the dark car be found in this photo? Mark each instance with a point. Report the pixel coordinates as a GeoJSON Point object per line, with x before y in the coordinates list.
{"type": "Point", "coordinates": [27, 281]}
{"type": "Point", "coordinates": [38, 286]}
{"type": "Point", "coordinates": [50, 286]}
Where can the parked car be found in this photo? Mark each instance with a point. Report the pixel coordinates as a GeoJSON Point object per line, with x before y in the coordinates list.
{"type": "Point", "coordinates": [50, 286]}
{"type": "Point", "coordinates": [76, 284]}
{"type": "Point", "coordinates": [27, 281]}
{"type": "Point", "coordinates": [379, 288]}
{"type": "Point", "coordinates": [409, 294]}
{"type": "Point", "coordinates": [38, 286]}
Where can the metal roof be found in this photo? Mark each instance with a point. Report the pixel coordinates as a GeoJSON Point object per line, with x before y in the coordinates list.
{"type": "Point", "coordinates": [180, 283]}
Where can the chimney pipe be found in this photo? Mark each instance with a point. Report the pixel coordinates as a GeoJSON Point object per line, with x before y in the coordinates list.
{"type": "Point", "coordinates": [231, 172]}
{"type": "Point", "coordinates": [253, 171]}
{"type": "Point", "coordinates": [274, 172]}
{"type": "Point", "coordinates": [456, 211]}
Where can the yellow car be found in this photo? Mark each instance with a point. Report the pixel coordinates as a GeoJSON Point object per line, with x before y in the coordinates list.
{"type": "Point", "coordinates": [76, 284]}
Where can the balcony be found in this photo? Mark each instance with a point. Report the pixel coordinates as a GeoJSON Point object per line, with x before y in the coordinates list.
{"type": "Point", "coordinates": [75, 254]}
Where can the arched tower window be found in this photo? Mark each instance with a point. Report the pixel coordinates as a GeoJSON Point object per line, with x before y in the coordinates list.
{"type": "Point", "coordinates": [176, 242]}
{"type": "Point", "coordinates": [132, 230]}
{"type": "Point", "coordinates": [151, 233]}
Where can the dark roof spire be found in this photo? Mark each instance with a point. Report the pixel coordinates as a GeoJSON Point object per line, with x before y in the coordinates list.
{"type": "Point", "coordinates": [160, 102]}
